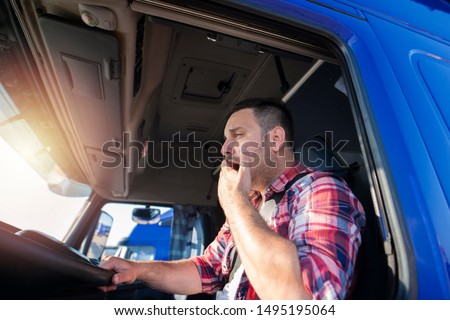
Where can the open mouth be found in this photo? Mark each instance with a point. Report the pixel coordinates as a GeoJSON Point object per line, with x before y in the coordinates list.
{"type": "Point", "coordinates": [232, 164]}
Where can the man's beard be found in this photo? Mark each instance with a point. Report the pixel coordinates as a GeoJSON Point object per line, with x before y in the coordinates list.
{"type": "Point", "coordinates": [261, 174]}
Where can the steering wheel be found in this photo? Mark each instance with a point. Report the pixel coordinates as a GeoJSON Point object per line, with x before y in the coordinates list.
{"type": "Point", "coordinates": [35, 265]}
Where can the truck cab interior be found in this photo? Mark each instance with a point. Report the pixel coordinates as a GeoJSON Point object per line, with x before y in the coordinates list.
{"type": "Point", "coordinates": [130, 97]}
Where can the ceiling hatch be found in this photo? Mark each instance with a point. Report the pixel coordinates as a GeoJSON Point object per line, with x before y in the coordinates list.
{"type": "Point", "coordinates": [208, 82]}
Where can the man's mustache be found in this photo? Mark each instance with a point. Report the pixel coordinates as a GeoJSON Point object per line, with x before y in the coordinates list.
{"type": "Point", "coordinates": [232, 162]}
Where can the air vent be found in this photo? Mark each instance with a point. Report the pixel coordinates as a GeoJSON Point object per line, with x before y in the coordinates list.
{"type": "Point", "coordinates": [138, 57]}
{"type": "Point", "coordinates": [197, 128]}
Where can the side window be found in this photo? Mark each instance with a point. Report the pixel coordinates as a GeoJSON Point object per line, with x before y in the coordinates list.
{"type": "Point", "coordinates": [137, 239]}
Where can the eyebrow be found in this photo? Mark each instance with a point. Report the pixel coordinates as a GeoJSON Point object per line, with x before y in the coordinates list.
{"type": "Point", "coordinates": [231, 130]}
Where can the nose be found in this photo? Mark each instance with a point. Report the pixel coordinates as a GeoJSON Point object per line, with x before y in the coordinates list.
{"type": "Point", "coordinates": [226, 150]}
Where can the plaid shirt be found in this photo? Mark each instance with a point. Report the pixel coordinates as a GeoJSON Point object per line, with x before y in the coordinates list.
{"type": "Point", "coordinates": [321, 216]}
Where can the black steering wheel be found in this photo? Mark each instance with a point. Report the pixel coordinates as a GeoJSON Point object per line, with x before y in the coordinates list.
{"type": "Point", "coordinates": [34, 265]}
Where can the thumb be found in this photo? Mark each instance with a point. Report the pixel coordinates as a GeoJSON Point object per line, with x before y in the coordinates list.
{"type": "Point", "coordinates": [119, 278]}
{"type": "Point", "coordinates": [124, 276]}
{"type": "Point", "coordinates": [246, 162]}
{"type": "Point", "coordinates": [244, 176]}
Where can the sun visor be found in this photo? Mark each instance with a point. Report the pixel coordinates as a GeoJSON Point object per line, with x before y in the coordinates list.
{"type": "Point", "coordinates": [87, 66]}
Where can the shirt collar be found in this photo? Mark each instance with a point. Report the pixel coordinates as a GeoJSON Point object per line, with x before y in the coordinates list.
{"type": "Point", "coordinates": [279, 183]}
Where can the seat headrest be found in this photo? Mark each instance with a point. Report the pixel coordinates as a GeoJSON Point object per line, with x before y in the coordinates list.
{"type": "Point", "coordinates": [317, 153]}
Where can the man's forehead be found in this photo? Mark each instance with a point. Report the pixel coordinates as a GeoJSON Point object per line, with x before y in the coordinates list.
{"type": "Point", "coordinates": [240, 121]}
{"type": "Point", "coordinates": [240, 118]}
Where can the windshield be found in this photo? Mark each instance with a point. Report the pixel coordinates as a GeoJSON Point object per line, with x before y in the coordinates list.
{"type": "Point", "coordinates": [27, 172]}
{"type": "Point", "coordinates": [131, 240]}
{"type": "Point", "coordinates": [26, 201]}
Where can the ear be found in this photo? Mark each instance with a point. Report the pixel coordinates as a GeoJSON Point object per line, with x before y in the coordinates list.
{"type": "Point", "coordinates": [277, 138]}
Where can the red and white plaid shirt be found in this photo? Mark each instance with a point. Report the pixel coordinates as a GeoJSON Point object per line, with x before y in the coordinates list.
{"type": "Point", "coordinates": [321, 216]}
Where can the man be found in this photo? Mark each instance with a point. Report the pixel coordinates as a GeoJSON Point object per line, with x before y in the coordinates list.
{"type": "Point", "coordinates": [305, 248]}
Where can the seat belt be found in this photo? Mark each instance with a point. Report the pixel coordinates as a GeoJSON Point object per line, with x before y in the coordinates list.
{"type": "Point", "coordinates": [266, 212]}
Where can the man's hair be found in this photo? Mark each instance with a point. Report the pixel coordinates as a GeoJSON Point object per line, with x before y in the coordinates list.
{"type": "Point", "coordinates": [269, 114]}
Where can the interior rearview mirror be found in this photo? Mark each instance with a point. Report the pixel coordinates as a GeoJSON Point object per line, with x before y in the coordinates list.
{"type": "Point", "coordinates": [146, 215]}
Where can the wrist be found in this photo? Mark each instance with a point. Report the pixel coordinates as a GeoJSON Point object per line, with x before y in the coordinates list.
{"type": "Point", "coordinates": [139, 269]}
{"type": "Point", "coordinates": [239, 209]}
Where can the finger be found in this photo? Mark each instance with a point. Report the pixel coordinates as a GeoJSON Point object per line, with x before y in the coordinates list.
{"type": "Point", "coordinates": [224, 164]}
{"type": "Point", "coordinates": [107, 288]}
{"type": "Point", "coordinates": [244, 175]}
{"type": "Point", "coordinates": [113, 263]}
{"type": "Point", "coordinates": [107, 263]}
{"type": "Point", "coordinates": [225, 171]}
{"type": "Point", "coordinates": [247, 159]}
{"type": "Point", "coordinates": [245, 164]}
{"type": "Point", "coordinates": [243, 172]}
{"type": "Point", "coordinates": [119, 278]}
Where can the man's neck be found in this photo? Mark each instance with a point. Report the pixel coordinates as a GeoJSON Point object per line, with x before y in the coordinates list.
{"type": "Point", "coordinates": [279, 169]}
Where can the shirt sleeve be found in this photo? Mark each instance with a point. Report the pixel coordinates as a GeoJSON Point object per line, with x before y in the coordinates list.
{"type": "Point", "coordinates": [210, 265]}
{"type": "Point", "coordinates": [326, 228]}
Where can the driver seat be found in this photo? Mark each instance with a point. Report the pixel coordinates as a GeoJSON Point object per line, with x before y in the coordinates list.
{"type": "Point", "coordinates": [374, 277]}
